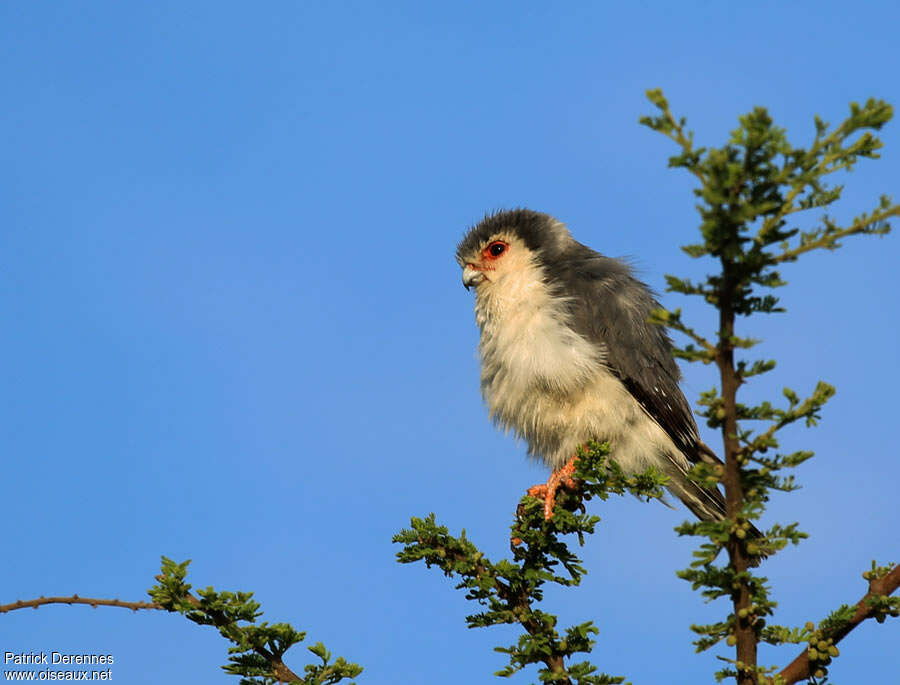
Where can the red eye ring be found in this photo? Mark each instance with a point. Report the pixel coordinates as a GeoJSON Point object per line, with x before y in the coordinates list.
{"type": "Point", "coordinates": [495, 249]}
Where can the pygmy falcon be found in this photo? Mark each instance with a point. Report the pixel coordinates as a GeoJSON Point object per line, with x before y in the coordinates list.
{"type": "Point", "coordinates": [568, 355]}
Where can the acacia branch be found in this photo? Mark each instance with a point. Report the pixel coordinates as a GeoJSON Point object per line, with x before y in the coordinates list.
{"type": "Point", "coordinates": [744, 633]}
{"type": "Point", "coordinates": [828, 241]}
{"type": "Point", "coordinates": [799, 668]}
{"type": "Point", "coordinates": [221, 620]}
{"type": "Point", "coordinates": [517, 600]}
{"type": "Point", "coordinates": [674, 130]}
{"type": "Point", "coordinates": [75, 599]}
{"type": "Point", "coordinates": [787, 205]}
{"type": "Point", "coordinates": [279, 670]}
{"type": "Point", "coordinates": [708, 347]}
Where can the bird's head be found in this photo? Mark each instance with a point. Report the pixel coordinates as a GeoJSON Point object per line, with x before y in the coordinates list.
{"type": "Point", "coordinates": [509, 243]}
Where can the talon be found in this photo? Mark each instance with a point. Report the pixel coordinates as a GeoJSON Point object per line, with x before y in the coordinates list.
{"type": "Point", "coordinates": [561, 478]}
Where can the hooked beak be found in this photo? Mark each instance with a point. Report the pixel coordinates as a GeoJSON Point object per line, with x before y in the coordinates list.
{"type": "Point", "coordinates": [471, 276]}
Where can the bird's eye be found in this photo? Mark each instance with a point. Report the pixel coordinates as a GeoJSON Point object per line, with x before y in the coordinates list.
{"type": "Point", "coordinates": [495, 249]}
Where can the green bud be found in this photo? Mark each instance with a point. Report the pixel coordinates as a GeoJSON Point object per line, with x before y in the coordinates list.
{"type": "Point", "coordinates": [731, 641]}
{"type": "Point", "coordinates": [812, 654]}
{"type": "Point", "coordinates": [822, 646]}
{"type": "Point", "coordinates": [741, 533]}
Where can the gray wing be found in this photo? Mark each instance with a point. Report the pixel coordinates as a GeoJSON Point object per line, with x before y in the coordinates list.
{"type": "Point", "coordinates": [610, 308]}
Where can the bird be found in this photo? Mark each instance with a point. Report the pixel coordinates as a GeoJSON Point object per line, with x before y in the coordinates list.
{"type": "Point", "coordinates": [569, 354]}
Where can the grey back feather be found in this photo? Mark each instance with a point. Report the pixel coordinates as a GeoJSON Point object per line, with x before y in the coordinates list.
{"type": "Point", "coordinates": [612, 309]}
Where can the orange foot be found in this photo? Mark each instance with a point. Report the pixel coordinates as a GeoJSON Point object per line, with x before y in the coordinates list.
{"type": "Point", "coordinates": [561, 478]}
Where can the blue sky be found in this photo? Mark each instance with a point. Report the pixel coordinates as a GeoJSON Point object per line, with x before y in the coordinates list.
{"type": "Point", "coordinates": [235, 330]}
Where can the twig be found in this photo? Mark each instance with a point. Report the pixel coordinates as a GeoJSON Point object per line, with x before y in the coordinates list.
{"type": "Point", "coordinates": [279, 670]}
{"type": "Point", "coordinates": [829, 240]}
{"type": "Point", "coordinates": [75, 599]}
{"type": "Point", "coordinates": [798, 669]}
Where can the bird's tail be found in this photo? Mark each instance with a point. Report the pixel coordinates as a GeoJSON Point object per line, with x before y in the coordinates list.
{"type": "Point", "coordinates": [707, 504]}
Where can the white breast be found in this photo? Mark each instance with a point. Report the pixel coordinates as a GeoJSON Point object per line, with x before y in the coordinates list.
{"type": "Point", "coordinates": [549, 385]}
{"type": "Point", "coordinates": [525, 332]}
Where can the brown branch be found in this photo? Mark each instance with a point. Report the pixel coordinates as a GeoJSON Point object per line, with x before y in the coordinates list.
{"type": "Point", "coordinates": [75, 599]}
{"type": "Point", "coordinates": [798, 669]}
{"type": "Point", "coordinates": [519, 604]}
{"type": "Point", "coordinates": [279, 670]}
{"type": "Point", "coordinates": [677, 325]}
{"type": "Point", "coordinates": [744, 633]}
{"type": "Point", "coordinates": [829, 241]}
{"type": "Point", "coordinates": [685, 141]}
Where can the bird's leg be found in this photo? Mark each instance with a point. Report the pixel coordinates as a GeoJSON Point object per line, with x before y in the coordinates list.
{"type": "Point", "coordinates": [562, 477]}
